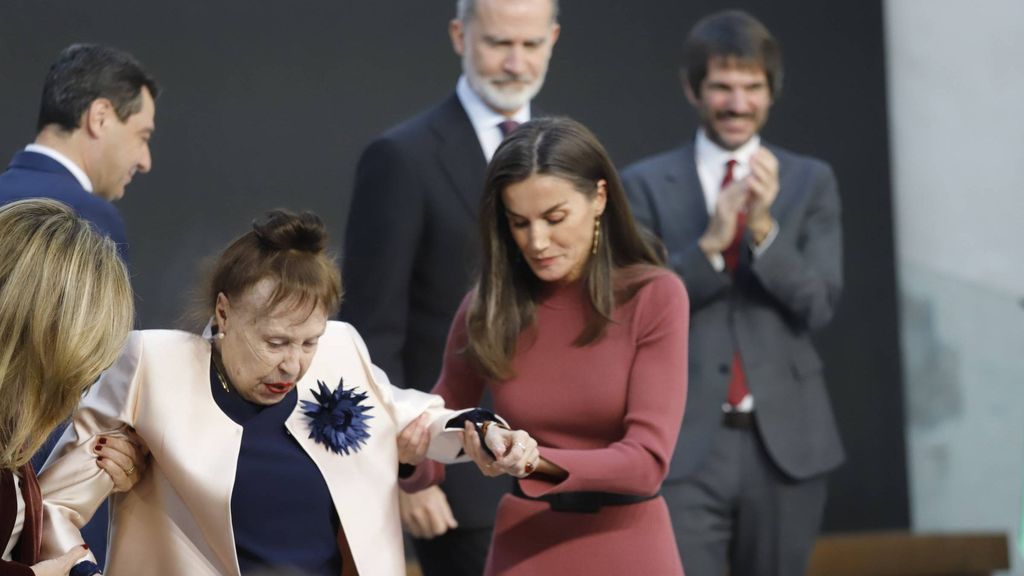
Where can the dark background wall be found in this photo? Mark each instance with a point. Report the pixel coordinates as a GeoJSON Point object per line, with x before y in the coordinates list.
{"type": "Point", "coordinates": [269, 104]}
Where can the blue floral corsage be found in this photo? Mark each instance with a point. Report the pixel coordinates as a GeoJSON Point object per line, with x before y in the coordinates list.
{"type": "Point", "coordinates": [338, 419]}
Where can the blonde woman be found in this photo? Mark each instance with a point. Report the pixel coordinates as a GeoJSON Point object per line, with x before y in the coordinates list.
{"type": "Point", "coordinates": [65, 311]}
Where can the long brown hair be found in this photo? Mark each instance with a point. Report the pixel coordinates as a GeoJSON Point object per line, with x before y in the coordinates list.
{"type": "Point", "coordinates": [66, 308]}
{"type": "Point", "coordinates": [506, 290]}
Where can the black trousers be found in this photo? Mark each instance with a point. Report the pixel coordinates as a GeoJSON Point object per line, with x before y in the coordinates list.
{"type": "Point", "coordinates": [458, 552]}
{"type": "Point", "coordinates": [739, 511]}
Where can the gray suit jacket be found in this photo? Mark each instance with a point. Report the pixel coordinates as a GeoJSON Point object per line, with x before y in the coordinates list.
{"type": "Point", "coordinates": [767, 310]}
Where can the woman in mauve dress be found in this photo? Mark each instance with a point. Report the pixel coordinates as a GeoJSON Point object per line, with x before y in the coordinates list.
{"type": "Point", "coordinates": [580, 334]}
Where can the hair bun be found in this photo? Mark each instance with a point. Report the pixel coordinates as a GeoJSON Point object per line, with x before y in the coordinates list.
{"type": "Point", "coordinates": [284, 230]}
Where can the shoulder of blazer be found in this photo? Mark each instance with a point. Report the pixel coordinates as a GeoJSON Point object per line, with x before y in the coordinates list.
{"type": "Point", "coordinates": [163, 342]}
{"type": "Point", "coordinates": [670, 164]}
{"type": "Point", "coordinates": [35, 161]}
{"type": "Point", "coordinates": [443, 120]}
{"type": "Point", "coordinates": [795, 160]}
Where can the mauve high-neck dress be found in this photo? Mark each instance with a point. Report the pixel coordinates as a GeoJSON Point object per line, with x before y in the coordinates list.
{"type": "Point", "coordinates": [609, 413]}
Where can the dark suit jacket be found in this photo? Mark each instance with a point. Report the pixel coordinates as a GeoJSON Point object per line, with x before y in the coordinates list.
{"type": "Point", "coordinates": [34, 175]}
{"type": "Point", "coordinates": [26, 552]}
{"type": "Point", "coordinates": [767, 311]}
{"type": "Point", "coordinates": [411, 248]}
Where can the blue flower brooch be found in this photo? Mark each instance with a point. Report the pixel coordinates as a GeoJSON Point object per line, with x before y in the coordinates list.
{"type": "Point", "coordinates": [338, 419]}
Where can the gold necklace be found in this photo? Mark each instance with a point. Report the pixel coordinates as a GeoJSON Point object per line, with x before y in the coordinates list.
{"type": "Point", "coordinates": [220, 375]}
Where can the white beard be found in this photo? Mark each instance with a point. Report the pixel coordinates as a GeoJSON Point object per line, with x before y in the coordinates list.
{"type": "Point", "coordinates": [488, 88]}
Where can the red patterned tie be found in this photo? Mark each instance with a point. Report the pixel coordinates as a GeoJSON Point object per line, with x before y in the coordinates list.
{"type": "Point", "coordinates": [507, 127]}
{"type": "Point", "coordinates": [732, 253]}
{"type": "Point", "coordinates": [737, 380]}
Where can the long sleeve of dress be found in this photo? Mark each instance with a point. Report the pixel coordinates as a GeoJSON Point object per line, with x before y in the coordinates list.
{"type": "Point", "coordinates": [652, 343]}
{"type": "Point", "coordinates": [637, 462]}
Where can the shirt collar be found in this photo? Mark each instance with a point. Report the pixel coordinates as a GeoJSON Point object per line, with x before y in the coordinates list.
{"type": "Point", "coordinates": [64, 161]}
{"type": "Point", "coordinates": [707, 152]}
{"type": "Point", "coordinates": [482, 116]}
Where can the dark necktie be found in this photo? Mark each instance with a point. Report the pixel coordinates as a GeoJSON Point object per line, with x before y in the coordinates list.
{"type": "Point", "coordinates": [737, 379]}
{"type": "Point", "coordinates": [507, 127]}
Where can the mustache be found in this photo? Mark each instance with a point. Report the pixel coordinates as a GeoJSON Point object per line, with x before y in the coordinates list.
{"type": "Point", "coordinates": [730, 115]}
{"type": "Point", "coordinates": [510, 78]}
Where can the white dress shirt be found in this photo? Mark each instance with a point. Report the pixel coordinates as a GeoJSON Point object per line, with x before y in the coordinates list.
{"type": "Point", "coordinates": [64, 161]}
{"type": "Point", "coordinates": [711, 166]}
{"type": "Point", "coordinates": [484, 119]}
{"type": "Point", "coordinates": [711, 161]}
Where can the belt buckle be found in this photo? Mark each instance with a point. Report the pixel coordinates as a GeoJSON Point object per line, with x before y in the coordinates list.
{"type": "Point", "coordinates": [736, 419]}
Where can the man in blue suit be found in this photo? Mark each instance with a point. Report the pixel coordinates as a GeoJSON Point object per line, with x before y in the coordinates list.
{"type": "Point", "coordinates": [95, 123]}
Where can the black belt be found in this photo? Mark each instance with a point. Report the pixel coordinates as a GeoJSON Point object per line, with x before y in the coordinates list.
{"type": "Point", "coordinates": [738, 419]}
{"type": "Point", "coordinates": [584, 502]}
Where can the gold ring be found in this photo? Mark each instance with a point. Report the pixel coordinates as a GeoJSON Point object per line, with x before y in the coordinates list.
{"type": "Point", "coordinates": [529, 468]}
{"type": "Point", "coordinates": [130, 471]}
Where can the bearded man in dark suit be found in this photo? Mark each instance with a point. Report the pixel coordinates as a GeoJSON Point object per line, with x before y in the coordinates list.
{"type": "Point", "coordinates": [411, 242]}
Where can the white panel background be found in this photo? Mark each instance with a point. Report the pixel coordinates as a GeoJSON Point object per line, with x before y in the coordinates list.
{"type": "Point", "coordinates": [956, 105]}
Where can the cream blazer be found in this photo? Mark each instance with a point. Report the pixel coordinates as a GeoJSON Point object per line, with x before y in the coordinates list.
{"type": "Point", "coordinates": [177, 520]}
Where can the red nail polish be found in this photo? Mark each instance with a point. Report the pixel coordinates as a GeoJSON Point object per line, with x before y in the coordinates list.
{"type": "Point", "coordinates": [86, 546]}
{"type": "Point", "coordinates": [98, 448]}
{"type": "Point", "coordinates": [103, 440]}
{"type": "Point", "coordinates": [100, 458]}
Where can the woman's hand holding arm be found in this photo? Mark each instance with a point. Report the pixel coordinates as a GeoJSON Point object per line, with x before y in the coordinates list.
{"type": "Point", "coordinates": [516, 452]}
{"type": "Point", "coordinates": [61, 565]}
{"type": "Point", "coordinates": [123, 458]}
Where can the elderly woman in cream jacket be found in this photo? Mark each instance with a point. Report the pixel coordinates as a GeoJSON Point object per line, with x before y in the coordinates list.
{"type": "Point", "coordinates": [272, 440]}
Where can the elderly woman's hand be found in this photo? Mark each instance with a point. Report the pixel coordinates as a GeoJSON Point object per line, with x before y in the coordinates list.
{"type": "Point", "coordinates": [123, 457]}
{"type": "Point", "coordinates": [517, 453]}
{"type": "Point", "coordinates": [414, 441]}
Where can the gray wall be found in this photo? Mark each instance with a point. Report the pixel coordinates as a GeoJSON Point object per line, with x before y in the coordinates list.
{"type": "Point", "coordinates": [956, 83]}
{"type": "Point", "coordinates": [268, 104]}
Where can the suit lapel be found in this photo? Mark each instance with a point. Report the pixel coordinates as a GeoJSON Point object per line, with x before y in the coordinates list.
{"type": "Point", "coordinates": [787, 186]}
{"type": "Point", "coordinates": [459, 153]}
{"type": "Point", "coordinates": [196, 467]}
{"type": "Point", "coordinates": [350, 477]}
{"type": "Point", "coordinates": [683, 201]}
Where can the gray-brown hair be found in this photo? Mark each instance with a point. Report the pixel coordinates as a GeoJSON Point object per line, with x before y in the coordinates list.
{"type": "Point", "coordinates": [466, 9]}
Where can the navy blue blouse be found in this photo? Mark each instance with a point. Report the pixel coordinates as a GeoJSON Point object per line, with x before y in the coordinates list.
{"type": "Point", "coordinates": [281, 510]}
